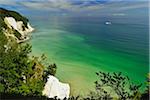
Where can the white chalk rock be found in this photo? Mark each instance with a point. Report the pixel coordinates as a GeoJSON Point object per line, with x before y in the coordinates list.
{"type": "Point", "coordinates": [30, 29]}
{"type": "Point", "coordinates": [55, 88]}
{"type": "Point", "coordinates": [19, 26]}
{"type": "Point", "coordinates": [11, 22]}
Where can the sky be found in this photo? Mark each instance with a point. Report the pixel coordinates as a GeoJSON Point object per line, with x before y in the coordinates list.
{"type": "Point", "coordinates": [90, 7]}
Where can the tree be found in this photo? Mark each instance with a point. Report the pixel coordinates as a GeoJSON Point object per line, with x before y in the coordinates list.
{"type": "Point", "coordinates": [19, 72]}
{"type": "Point", "coordinates": [110, 84]}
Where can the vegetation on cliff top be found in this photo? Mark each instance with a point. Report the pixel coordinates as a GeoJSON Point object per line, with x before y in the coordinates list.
{"type": "Point", "coordinates": [8, 13]}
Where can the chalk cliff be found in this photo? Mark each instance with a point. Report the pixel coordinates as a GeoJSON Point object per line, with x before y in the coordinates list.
{"type": "Point", "coordinates": [54, 88]}
{"type": "Point", "coordinates": [14, 25]}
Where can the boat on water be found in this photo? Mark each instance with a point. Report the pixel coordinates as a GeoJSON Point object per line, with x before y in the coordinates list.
{"type": "Point", "coordinates": [108, 23]}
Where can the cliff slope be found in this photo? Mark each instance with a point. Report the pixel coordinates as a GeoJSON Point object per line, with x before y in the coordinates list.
{"type": "Point", "coordinates": [14, 25]}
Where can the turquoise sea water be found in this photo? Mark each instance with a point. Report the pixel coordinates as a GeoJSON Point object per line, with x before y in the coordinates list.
{"type": "Point", "coordinates": [81, 46]}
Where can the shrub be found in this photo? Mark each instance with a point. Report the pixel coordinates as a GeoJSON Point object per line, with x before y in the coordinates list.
{"type": "Point", "coordinates": [114, 85]}
{"type": "Point", "coordinates": [19, 73]}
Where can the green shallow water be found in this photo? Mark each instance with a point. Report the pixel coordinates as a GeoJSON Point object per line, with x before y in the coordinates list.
{"type": "Point", "coordinates": [81, 47]}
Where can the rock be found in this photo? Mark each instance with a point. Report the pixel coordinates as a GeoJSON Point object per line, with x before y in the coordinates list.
{"type": "Point", "coordinates": [10, 22]}
{"type": "Point", "coordinates": [19, 27]}
{"type": "Point", "coordinates": [55, 88]}
{"type": "Point", "coordinates": [14, 26]}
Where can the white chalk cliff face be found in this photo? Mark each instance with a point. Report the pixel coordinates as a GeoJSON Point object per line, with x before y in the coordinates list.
{"type": "Point", "coordinates": [55, 88]}
{"type": "Point", "coordinates": [18, 26]}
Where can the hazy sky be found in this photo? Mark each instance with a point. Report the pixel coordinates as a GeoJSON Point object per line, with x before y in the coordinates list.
{"type": "Point", "coordinates": [89, 7]}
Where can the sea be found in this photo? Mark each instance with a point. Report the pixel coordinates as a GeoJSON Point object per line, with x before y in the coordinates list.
{"type": "Point", "coordinates": [80, 46]}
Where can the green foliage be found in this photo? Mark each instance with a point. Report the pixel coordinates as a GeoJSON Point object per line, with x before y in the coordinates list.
{"type": "Point", "coordinates": [19, 73]}
{"type": "Point", "coordinates": [17, 34]}
{"type": "Point", "coordinates": [109, 84]}
{"type": "Point", "coordinates": [2, 23]}
{"type": "Point", "coordinates": [51, 69]}
{"type": "Point", "coordinates": [74, 98]}
{"type": "Point", "coordinates": [114, 86]}
{"type": "Point", "coordinates": [145, 95]}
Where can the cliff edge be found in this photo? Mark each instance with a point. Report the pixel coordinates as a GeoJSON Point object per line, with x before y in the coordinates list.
{"type": "Point", "coordinates": [14, 25]}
